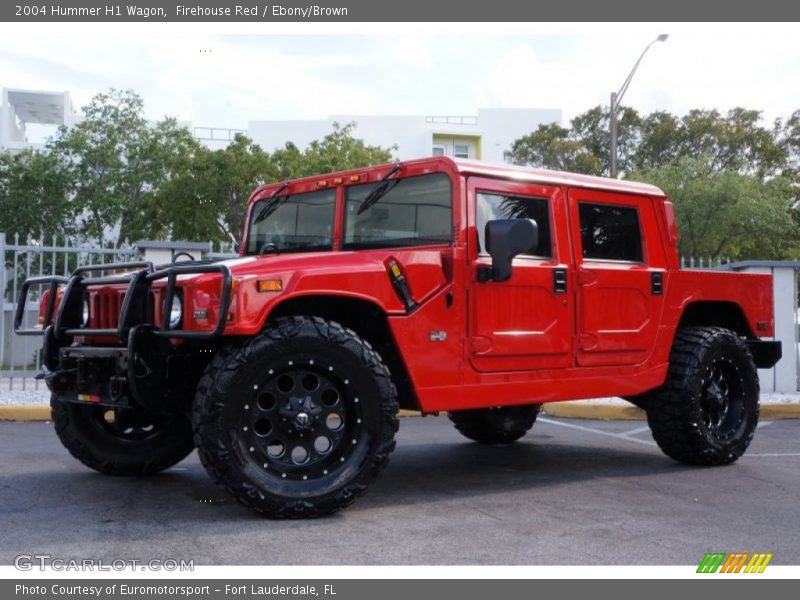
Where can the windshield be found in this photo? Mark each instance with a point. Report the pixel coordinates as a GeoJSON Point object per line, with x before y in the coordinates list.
{"type": "Point", "coordinates": [296, 223]}
{"type": "Point", "coordinates": [412, 211]}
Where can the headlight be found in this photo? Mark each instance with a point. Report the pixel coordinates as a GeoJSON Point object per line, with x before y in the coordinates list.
{"type": "Point", "coordinates": [85, 316]}
{"type": "Point", "coordinates": [176, 311]}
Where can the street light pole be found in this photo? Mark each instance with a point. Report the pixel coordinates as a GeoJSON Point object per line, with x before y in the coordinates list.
{"type": "Point", "coordinates": [616, 99]}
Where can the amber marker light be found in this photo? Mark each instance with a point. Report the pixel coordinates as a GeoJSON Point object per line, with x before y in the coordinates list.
{"type": "Point", "coordinates": [269, 285]}
{"type": "Point", "coordinates": [354, 178]}
{"type": "Point", "coordinates": [322, 184]}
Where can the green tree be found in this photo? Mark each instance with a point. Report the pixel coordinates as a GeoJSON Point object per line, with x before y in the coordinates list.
{"type": "Point", "coordinates": [337, 151]}
{"type": "Point", "coordinates": [112, 159]}
{"type": "Point", "coordinates": [33, 196]}
{"type": "Point", "coordinates": [206, 194]}
{"type": "Point", "coordinates": [583, 148]}
{"type": "Point", "coordinates": [205, 197]}
{"type": "Point", "coordinates": [723, 213]}
{"type": "Point", "coordinates": [552, 147]}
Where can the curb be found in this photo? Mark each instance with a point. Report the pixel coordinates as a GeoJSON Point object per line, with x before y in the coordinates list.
{"type": "Point", "coordinates": [21, 412]}
{"type": "Point", "coordinates": [606, 412]}
{"type": "Point", "coordinates": [41, 412]}
{"type": "Point", "coordinates": [565, 410]}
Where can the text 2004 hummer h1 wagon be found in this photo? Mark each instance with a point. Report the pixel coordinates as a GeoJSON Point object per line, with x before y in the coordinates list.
{"type": "Point", "coordinates": [483, 291]}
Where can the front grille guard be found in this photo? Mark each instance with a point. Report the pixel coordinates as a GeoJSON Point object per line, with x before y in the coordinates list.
{"type": "Point", "coordinates": [134, 304]}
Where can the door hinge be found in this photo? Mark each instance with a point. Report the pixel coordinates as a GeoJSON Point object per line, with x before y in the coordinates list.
{"type": "Point", "coordinates": [587, 341]}
{"type": "Point", "coordinates": [586, 277]}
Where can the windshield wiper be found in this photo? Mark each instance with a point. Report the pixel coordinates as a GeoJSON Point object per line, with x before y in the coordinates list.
{"type": "Point", "coordinates": [272, 203]}
{"type": "Point", "coordinates": [384, 185]}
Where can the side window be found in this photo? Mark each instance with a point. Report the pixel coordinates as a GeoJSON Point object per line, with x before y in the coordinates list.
{"type": "Point", "coordinates": [489, 207]}
{"type": "Point", "coordinates": [610, 232]}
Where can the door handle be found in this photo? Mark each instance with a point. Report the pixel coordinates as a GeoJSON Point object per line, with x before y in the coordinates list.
{"type": "Point", "coordinates": [559, 281]}
{"type": "Point", "coordinates": [656, 283]}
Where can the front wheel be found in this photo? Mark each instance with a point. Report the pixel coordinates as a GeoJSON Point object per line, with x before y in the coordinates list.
{"type": "Point", "coordinates": [707, 410]}
{"type": "Point", "coordinates": [121, 441]}
{"type": "Point", "coordinates": [297, 421]}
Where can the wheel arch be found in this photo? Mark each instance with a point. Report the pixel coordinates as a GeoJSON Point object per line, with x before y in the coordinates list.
{"type": "Point", "coordinates": [716, 313]}
{"type": "Point", "coordinates": [368, 320]}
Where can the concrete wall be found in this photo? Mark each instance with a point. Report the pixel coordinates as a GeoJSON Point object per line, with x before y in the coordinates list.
{"type": "Point", "coordinates": [496, 128]}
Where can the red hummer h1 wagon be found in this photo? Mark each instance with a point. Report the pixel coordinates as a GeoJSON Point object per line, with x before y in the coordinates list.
{"type": "Point", "coordinates": [479, 290]}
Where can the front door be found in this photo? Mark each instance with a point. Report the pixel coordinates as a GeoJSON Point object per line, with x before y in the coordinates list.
{"type": "Point", "coordinates": [525, 322]}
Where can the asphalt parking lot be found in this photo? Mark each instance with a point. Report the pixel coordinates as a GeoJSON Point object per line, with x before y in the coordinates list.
{"type": "Point", "coordinates": [570, 492]}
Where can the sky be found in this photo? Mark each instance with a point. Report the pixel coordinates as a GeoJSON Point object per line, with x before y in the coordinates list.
{"type": "Point", "coordinates": [225, 76]}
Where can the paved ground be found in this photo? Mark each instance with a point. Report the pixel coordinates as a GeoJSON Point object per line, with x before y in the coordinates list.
{"type": "Point", "coordinates": [572, 492]}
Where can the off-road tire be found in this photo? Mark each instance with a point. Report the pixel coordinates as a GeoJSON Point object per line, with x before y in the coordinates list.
{"type": "Point", "coordinates": [499, 425]}
{"type": "Point", "coordinates": [240, 397]}
{"type": "Point", "coordinates": [149, 445]}
{"type": "Point", "coordinates": [691, 419]}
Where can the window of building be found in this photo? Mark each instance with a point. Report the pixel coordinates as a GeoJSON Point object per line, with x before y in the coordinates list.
{"type": "Point", "coordinates": [438, 151]}
{"type": "Point", "coordinates": [610, 232]}
{"type": "Point", "coordinates": [461, 150]}
{"type": "Point", "coordinates": [489, 207]}
{"type": "Point", "coordinates": [414, 211]}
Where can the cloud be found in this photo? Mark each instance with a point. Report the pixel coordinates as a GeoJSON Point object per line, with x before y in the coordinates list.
{"type": "Point", "coordinates": [238, 78]}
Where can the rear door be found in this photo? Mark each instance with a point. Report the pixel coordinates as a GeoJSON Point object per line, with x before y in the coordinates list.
{"type": "Point", "coordinates": [525, 322]}
{"type": "Point", "coordinates": [620, 276]}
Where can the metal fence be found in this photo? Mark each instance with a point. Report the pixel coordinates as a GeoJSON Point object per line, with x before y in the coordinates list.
{"type": "Point", "coordinates": [51, 255]}
{"type": "Point", "coordinates": [703, 262]}
{"type": "Point", "coordinates": [46, 255]}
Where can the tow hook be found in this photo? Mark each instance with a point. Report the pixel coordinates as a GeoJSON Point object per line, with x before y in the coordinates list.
{"type": "Point", "coordinates": [116, 388]}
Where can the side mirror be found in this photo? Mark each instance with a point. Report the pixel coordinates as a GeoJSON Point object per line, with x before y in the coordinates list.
{"type": "Point", "coordinates": [505, 238]}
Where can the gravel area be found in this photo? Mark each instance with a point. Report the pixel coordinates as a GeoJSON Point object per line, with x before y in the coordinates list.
{"type": "Point", "coordinates": [20, 391]}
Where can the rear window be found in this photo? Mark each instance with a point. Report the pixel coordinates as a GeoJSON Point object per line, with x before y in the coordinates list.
{"type": "Point", "coordinates": [414, 211]}
{"type": "Point", "coordinates": [610, 232]}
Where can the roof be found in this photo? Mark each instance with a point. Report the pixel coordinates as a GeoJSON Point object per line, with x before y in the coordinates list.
{"type": "Point", "coordinates": [501, 171]}
{"type": "Point", "coordinates": [546, 176]}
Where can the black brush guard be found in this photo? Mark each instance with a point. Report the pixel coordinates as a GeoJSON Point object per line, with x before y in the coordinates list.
{"type": "Point", "coordinates": [133, 313]}
{"type": "Point", "coordinates": [140, 371]}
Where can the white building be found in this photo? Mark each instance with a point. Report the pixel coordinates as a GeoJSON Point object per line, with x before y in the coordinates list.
{"type": "Point", "coordinates": [485, 136]}
{"type": "Point", "coordinates": [23, 110]}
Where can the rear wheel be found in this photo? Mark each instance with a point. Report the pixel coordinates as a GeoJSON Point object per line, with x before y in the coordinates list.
{"type": "Point", "coordinates": [121, 441]}
{"type": "Point", "coordinates": [297, 421]}
{"type": "Point", "coordinates": [498, 425]}
{"type": "Point", "coordinates": [707, 410]}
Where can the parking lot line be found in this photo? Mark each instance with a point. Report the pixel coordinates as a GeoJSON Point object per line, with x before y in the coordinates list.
{"type": "Point", "coordinates": [760, 454]}
{"type": "Point", "coordinates": [637, 430]}
{"type": "Point", "coordinates": [619, 436]}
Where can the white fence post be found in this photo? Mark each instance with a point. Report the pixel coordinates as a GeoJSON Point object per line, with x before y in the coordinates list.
{"type": "Point", "coordinates": [2, 298]}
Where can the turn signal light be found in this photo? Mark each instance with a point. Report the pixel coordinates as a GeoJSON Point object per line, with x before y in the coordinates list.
{"type": "Point", "coordinates": [269, 285]}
